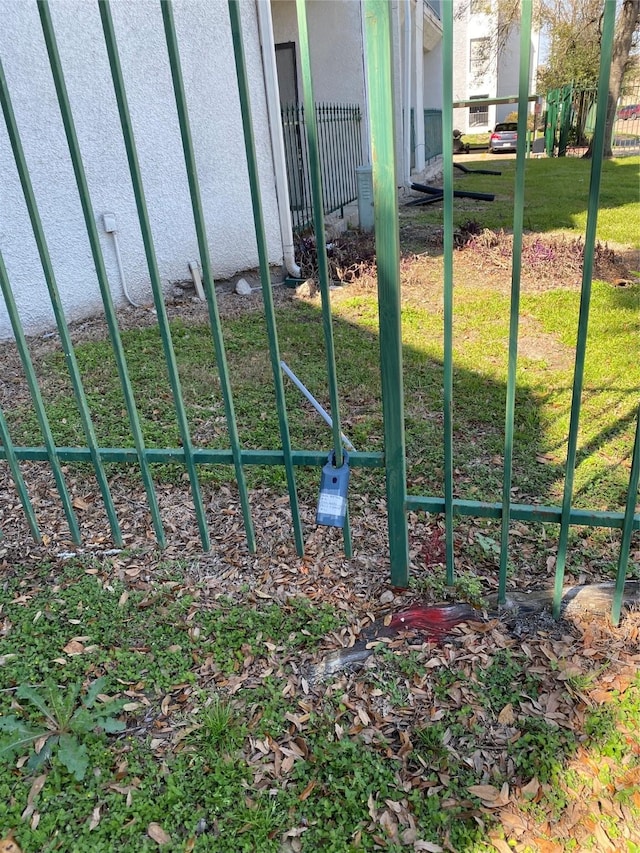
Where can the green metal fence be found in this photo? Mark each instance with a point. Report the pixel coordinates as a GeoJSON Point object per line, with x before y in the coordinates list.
{"type": "Point", "coordinates": [570, 121]}
{"type": "Point", "coordinates": [379, 69]}
{"type": "Point", "coordinates": [339, 135]}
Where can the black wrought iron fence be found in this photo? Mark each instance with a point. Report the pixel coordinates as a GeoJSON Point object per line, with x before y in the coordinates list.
{"type": "Point", "coordinates": [340, 150]}
{"type": "Point", "coordinates": [432, 136]}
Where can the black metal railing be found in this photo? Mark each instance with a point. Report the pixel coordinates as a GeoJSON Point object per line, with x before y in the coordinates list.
{"type": "Point", "coordinates": [340, 149]}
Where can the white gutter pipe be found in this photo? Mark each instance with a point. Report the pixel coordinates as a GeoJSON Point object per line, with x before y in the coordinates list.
{"type": "Point", "coordinates": [265, 28]}
{"type": "Point", "coordinates": [407, 92]}
{"type": "Point", "coordinates": [365, 92]}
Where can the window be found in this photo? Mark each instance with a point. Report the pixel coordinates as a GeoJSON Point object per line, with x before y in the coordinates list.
{"type": "Point", "coordinates": [479, 116]}
{"type": "Point", "coordinates": [479, 7]}
{"type": "Point", "coordinates": [478, 56]}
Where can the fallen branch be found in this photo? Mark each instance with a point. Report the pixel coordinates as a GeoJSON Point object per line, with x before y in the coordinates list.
{"type": "Point", "coordinates": [595, 599]}
{"type": "Point", "coordinates": [435, 621]}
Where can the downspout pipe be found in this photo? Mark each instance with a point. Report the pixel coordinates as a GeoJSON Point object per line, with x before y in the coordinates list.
{"type": "Point", "coordinates": [407, 92]}
{"type": "Point", "coordinates": [265, 29]}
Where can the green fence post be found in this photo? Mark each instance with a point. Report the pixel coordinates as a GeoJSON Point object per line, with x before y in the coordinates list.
{"type": "Point", "coordinates": [321, 246]}
{"type": "Point", "coordinates": [585, 296]}
{"type": "Point", "coordinates": [265, 278]}
{"type": "Point", "coordinates": [565, 119]}
{"type": "Point", "coordinates": [516, 268]}
{"type": "Point", "coordinates": [16, 473]}
{"type": "Point", "coordinates": [36, 397]}
{"type": "Point", "coordinates": [551, 121]}
{"type": "Point", "coordinates": [152, 264]}
{"type": "Point", "coordinates": [207, 272]}
{"type": "Point", "coordinates": [379, 77]}
{"type": "Point", "coordinates": [58, 312]}
{"type": "Point", "coordinates": [98, 260]}
{"type": "Point", "coordinates": [447, 251]}
{"type": "Point", "coordinates": [625, 543]}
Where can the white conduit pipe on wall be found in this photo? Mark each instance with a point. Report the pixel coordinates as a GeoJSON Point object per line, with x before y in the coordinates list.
{"type": "Point", "coordinates": [265, 27]}
{"type": "Point", "coordinates": [109, 222]}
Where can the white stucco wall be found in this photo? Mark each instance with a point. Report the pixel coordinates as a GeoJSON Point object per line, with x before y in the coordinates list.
{"type": "Point", "coordinates": [209, 74]}
{"type": "Point", "coordinates": [337, 53]}
{"type": "Point", "coordinates": [335, 38]}
{"type": "Point", "coordinates": [433, 78]}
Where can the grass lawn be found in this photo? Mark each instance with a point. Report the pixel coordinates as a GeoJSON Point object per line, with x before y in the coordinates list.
{"type": "Point", "coordinates": [556, 197]}
{"type": "Point", "coordinates": [163, 701]}
{"type": "Point", "coordinates": [220, 745]}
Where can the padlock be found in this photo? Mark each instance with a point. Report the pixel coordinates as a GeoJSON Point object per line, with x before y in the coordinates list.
{"type": "Point", "coordinates": [334, 484]}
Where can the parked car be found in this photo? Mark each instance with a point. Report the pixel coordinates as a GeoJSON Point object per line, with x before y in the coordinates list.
{"type": "Point", "coordinates": [630, 111]}
{"type": "Point", "coordinates": [504, 137]}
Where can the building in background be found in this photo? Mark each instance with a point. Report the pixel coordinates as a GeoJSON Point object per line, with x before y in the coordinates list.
{"type": "Point", "coordinates": [486, 64]}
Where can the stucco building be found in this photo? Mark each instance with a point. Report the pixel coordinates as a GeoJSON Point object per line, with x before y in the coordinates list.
{"type": "Point", "coordinates": [271, 44]}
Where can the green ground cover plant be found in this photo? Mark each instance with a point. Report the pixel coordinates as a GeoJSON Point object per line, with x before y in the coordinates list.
{"type": "Point", "coordinates": [178, 750]}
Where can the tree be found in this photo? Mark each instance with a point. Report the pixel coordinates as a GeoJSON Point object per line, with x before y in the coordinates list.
{"type": "Point", "coordinates": [575, 36]}
{"type": "Point", "coordinates": [572, 28]}
{"type": "Point", "coordinates": [627, 24]}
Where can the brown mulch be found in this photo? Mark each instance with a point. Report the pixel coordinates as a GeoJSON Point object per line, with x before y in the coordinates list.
{"type": "Point", "coordinates": [558, 653]}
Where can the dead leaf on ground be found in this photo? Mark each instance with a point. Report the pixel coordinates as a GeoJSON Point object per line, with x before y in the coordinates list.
{"type": "Point", "coordinates": [8, 845]}
{"type": "Point", "coordinates": [506, 717]}
{"type": "Point", "coordinates": [490, 795]}
{"type": "Point", "coordinates": [157, 834]}
{"type": "Point", "coordinates": [308, 789]}
{"type": "Point", "coordinates": [36, 786]}
{"type": "Point", "coordinates": [73, 647]}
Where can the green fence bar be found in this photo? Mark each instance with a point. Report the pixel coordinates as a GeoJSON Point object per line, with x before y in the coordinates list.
{"type": "Point", "coordinates": [585, 295]}
{"type": "Point", "coordinates": [447, 157]}
{"type": "Point", "coordinates": [265, 278]}
{"type": "Point", "coordinates": [98, 260]}
{"type": "Point", "coordinates": [18, 480]}
{"type": "Point", "coordinates": [321, 246]}
{"type": "Point", "coordinates": [519, 512]}
{"type": "Point", "coordinates": [207, 272]}
{"type": "Point", "coordinates": [36, 397]}
{"type": "Point", "coordinates": [61, 323]}
{"type": "Point", "coordinates": [627, 527]}
{"type": "Point", "coordinates": [379, 77]}
{"type": "Point", "coordinates": [154, 274]}
{"type": "Point", "coordinates": [516, 268]}
{"type": "Point", "coordinates": [202, 456]}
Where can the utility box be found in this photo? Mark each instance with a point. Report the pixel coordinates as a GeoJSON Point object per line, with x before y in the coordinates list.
{"type": "Point", "coordinates": [364, 176]}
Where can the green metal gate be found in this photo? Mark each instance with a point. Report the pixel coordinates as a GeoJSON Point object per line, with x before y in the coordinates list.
{"type": "Point", "coordinates": [378, 28]}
